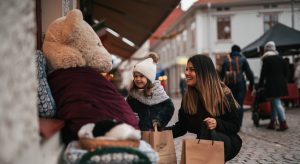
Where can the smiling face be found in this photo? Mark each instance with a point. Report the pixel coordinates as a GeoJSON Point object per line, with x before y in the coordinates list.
{"type": "Point", "coordinates": [190, 74]}
{"type": "Point", "coordinates": [139, 80]}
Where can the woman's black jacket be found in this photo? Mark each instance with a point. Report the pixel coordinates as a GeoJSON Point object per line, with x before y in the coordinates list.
{"type": "Point", "coordinates": [227, 123]}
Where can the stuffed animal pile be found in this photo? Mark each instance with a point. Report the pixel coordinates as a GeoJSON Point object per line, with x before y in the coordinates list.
{"type": "Point", "coordinates": [77, 58]}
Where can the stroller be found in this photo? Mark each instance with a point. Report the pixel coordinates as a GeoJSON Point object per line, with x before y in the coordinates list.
{"type": "Point", "coordinates": [261, 107]}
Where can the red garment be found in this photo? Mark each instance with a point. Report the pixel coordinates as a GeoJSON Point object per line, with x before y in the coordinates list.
{"type": "Point", "coordinates": [83, 95]}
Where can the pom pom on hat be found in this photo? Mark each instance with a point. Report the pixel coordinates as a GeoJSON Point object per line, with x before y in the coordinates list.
{"type": "Point", "coordinates": [148, 66]}
{"type": "Point", "coordinates": [270, 46]}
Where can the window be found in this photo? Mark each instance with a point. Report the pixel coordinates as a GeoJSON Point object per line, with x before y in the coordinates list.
{"type": "Point", "coordinates": [168, 51]}
{"type": "Point", "coordinates": [163, 54]}
{"type": "Point", "coordinates": [184, 40]}
{"type": "Point", "coordinates": [173, 49]}
{"type": "Point", "coordinates": [193, 35]}
{"type": "Point", "coordinates": [270, 20]}
{"type": "Point", "coordinates": [224, 28]}
{"type": "Point", "coordinates": [178, 44]}
{"type": "Point", "coordinates": [226, 8]}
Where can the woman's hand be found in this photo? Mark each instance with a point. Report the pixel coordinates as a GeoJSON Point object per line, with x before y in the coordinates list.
{"type": "Point", "coordinates": [211, 123]}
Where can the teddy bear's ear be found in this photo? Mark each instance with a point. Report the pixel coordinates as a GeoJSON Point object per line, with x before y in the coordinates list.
{"type": "Point", "coordinates": [73, 19]}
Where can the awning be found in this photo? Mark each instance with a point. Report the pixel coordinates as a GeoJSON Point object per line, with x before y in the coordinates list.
{"type": "Point", "coordinates": [287, 41]}
{"type": "Point", "coordinates": [134, 20]}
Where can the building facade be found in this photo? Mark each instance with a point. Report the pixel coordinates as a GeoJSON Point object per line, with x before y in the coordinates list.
{"type": "Point", "coordinates": [212, 27]}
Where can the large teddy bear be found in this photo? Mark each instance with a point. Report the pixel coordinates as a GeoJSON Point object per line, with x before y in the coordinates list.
{"type": "Point", "coordinates": [77, 59]}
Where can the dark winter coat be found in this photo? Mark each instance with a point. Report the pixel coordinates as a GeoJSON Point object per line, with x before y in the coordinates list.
{"type": "Point", "coordinates": [157, 107]}
{"type": "Point", "coordinates": [161, 112]}
{"type": "Point", "coordinates": [273, 76]}
{"type": "Point", "coordinates": [228, 124]}
{"type": "Point", "coordinates": [83, 95]}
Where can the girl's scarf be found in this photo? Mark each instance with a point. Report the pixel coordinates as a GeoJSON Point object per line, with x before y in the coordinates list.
{"type": "Point", "coordinates": [159, 95]}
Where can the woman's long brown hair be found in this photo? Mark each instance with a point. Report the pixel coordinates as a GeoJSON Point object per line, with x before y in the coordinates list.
{"type": "Point", "coordinates": [207, 91]}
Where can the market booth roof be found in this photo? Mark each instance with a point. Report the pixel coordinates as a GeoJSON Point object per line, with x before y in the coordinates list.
{"type": "Point", "coordinates": [287, 41]}
{"type": "Point", "coordinates": [130, 23]}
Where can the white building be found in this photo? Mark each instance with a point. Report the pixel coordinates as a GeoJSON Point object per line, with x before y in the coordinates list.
{"type": "Point", "coordinates": [211, 27]}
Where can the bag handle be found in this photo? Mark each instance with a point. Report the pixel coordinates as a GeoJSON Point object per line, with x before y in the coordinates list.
{"type": "Point", "coordinates": [212, 138]}
{"type": "Point", "coordinates": [230, 68]}
{"type": "Point", "coordinates": [204, 129]}
{"type": "Point", "coordinates": [237, 64]}
{"type": "Point", "coordinates": [154, 124]}
{"type": "Point", "coordinates": [229, 61]}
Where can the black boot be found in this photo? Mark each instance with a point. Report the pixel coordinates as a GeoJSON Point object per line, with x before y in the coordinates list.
{"type": "Point", "coordinates": [282, 126]}
{"type": "Point", "coordinates": [271, 125]}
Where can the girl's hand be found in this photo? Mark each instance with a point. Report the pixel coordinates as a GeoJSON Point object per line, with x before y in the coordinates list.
{"type": "Point", "coordinates": [211, 123]}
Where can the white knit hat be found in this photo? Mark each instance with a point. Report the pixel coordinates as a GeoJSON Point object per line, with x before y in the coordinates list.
{"type": "Point", "coordinates": [270, 46]}
{"type": "Point", "coordinates": [148, 66]}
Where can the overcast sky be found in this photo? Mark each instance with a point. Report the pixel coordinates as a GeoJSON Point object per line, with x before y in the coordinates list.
{"type": "Point", "coordinates": [185, 4]}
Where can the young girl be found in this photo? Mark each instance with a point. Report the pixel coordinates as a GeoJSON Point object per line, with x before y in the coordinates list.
{"type": "Point", "coordinates": [147, 97]}
{"type": "Point", "coordinates": [208, 105]}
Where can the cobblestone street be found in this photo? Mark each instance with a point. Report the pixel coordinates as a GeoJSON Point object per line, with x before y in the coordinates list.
{"type": "Point", "coordinates": [261, 145]}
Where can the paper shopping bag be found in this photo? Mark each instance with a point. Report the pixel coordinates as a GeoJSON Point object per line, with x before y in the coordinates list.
{"type": "Point", "coordinates": [204, 152]}
{"type": "Point", "coordinates": [162, 142]}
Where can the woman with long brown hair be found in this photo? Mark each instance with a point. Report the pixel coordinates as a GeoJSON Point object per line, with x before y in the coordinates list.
{"type": "Point", "coordinates": [208, 105]}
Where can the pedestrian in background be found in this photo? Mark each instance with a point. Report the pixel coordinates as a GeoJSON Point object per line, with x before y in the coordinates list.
{"type": "Point", "coordinates": [182, 84]}
{"type": "Point", "coordinates": [208, 105]}
{"type": "Point", "coordinates": [297, 74]}
{"type": "Point", "coordinates": [232, 73]}
{"type": "Point", "coordinates": [147, 97]}
{"type": "Point", "coordinates": [273, 78]}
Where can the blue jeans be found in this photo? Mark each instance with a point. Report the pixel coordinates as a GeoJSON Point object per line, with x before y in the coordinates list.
{"type": "Point", "coordinates": [277, 109]}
